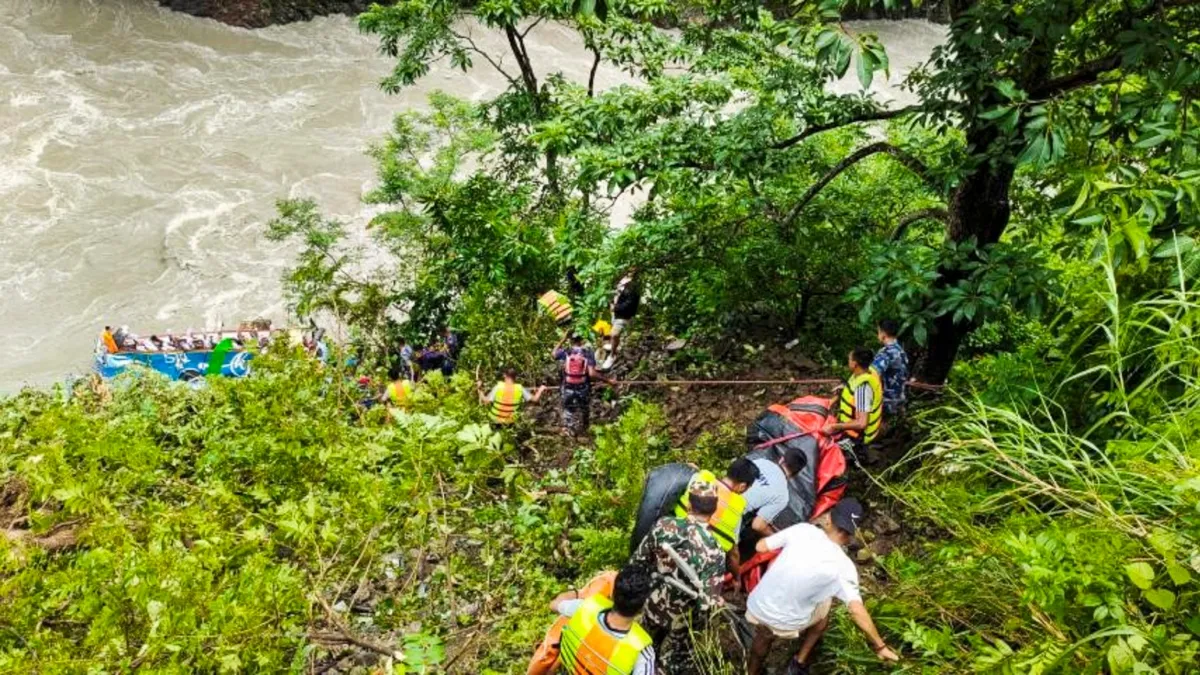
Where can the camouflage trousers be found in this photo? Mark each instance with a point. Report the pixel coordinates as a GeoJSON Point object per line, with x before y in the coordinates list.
{"type": "Point", "coordinates": [675, 649]}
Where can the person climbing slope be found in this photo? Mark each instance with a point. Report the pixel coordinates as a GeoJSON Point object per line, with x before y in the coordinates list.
{"type": "Point", "coordinates": [672, 613]}
{"type": "Point", "coordinates": [507, 398]}
{"type": "Point", "coordinates": [578, 366]}
{"type": "Point", "coordinates": [603, 636]}
{"type": "Point", "coordinates": [797, 592]}
{"type": "Point", "coordinates": [625, 303]}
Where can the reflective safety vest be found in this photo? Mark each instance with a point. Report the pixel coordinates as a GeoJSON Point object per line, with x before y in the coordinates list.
{"type": "Point", "coordinates": [726, 521]}
{"type": "Point", "coordinates": [588, 649]}
{"type": "Point", "coordinates": [399, 392]}
{"type": "Point", "coordinates": [846, 407]}
{"type": "Point", "coordinates": [506, 401]}
{"type": "Point", "coordinates": [556, 305]}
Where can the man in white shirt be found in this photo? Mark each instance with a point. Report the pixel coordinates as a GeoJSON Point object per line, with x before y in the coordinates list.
{"type": "Point", "coordinates": [797, 591]}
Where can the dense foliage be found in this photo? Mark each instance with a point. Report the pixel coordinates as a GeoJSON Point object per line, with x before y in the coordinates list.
{"type": "Point", "coordinates": [1033, 215]}
{"type": "Point", "coordinates": [765, 197]}
{"type": "Point", "coordinates": [254, 525]}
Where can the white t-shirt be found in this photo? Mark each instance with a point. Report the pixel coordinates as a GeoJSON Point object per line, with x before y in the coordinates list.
{"type": "Point", "coordinates": [810, 569]}
{"type": "Point", "coordinates": [769, 494]}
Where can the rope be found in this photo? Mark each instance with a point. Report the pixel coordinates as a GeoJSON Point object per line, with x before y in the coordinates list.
{"type": "Point", "coordinates": [672, 383]}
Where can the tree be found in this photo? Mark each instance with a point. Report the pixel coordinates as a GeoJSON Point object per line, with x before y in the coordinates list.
{"type": "Point", "coordinates": [1088, 107]}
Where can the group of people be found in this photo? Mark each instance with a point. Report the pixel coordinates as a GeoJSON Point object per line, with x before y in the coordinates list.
{"type": "Point", "coordinates": [641, 621]}
{"type": "Point", "coordinates": [122, 340]}
{"type": "Point", "coordinates": [644, 620]}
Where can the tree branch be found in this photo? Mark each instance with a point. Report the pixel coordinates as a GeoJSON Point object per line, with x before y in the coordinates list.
{"type": "Point", "coordinates": [912, 163]}
{"type": "Point", "coordinates": [475, 48]}
{"type": "Point", "coordinates": [876, 116]}
{"type": "Point", "coordinates": [1090, 72]}
{"type": "Point", "coordinates": [1087, 74]}
{"type": "Point", "coordinates": [936, 213]}
{"type": "Point", "coordinates": [592, 75]}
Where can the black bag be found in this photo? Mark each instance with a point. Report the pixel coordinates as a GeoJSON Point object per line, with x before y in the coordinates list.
{"type": "Point", "coordinates": [664, 486]}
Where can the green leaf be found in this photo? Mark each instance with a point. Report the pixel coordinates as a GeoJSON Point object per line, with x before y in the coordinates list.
{"type": "Point", "coordinates": [1160, 598]}
{"type": "Point", "coordinates": [1180, 244]}
{"type": "Point", "coordinates": [1179, 574]}
{"type": "Point", "coordinates": [865, 72]}
{"type": "Point", "coordinates": [1141, 574]}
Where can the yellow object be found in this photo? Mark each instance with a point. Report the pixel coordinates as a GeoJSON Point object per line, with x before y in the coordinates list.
{"type": "Point", "coordinates": [846, 409]}
{"type": "Point", "coordinates": [726, 521]}
{"type": "Point", "coordinates": [506, 401]}
{"type": "Point", "coordinates": [400, 391]}
{"type": "Point", "coordinates": [602, 328]}
{"type": "Point", "coordinates": [556, 305]}
{"type": "Point", "coordinates": [588, 649]}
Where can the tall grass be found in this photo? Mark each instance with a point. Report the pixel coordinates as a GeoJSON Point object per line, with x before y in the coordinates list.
{"type": "Point", "coordinates": [1073, 509]}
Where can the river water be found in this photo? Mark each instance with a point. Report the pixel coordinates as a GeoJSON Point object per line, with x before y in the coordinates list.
{"type": "Point", "coordinates": [142, 151]}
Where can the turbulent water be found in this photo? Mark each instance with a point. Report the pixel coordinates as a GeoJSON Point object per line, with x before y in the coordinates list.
{"type": "Point", "coordinates": [141, 152]}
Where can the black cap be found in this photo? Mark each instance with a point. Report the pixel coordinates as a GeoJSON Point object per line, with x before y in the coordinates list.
{"type": "Point", "coordinates": [846, 515]}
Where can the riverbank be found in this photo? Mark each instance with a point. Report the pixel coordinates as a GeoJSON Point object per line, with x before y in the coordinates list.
{"type": "Point", "coordinates": [262, 13]}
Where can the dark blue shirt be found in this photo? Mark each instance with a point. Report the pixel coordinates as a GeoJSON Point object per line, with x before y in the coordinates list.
{"type": "Point", "coordinates": [892, 365]}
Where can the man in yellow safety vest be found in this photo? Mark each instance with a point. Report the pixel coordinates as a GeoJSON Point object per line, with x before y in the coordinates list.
{"type": "Point", "coordinates": [399, 392]}
{"type": "Point", "coordinates": [603, 636]}
{"type": "Point", "coordinates": [860, 404]}
{"type": "Point", "coordinates": [507, 398]}
{"type": "Point", "coordinates": [726, 523]}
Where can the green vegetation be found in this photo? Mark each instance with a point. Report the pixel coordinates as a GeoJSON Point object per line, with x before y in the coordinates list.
{"type": "Point", "coordinates": [1032, 220]}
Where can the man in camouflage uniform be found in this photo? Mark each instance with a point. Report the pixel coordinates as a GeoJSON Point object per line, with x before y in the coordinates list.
{"type": "Point", "coordinates": [672, 613]}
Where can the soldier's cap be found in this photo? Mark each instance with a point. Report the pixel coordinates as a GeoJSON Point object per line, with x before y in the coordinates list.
{"type": "Point", "coordinates": [701, 487]}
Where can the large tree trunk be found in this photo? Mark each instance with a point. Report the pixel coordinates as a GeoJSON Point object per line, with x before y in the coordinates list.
{"type": "Point", "coordinates": [979, 208]}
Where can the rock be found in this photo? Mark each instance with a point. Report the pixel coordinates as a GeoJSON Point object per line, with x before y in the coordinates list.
{"type": "Point", "coordinates": [260, 13]}
{"type": "Point", "coordinates": [885, 524]}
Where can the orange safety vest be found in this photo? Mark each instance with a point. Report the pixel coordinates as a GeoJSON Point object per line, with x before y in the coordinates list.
{"type": "Point", "coordinates": [506, 401]}
{"type": "Point", "coordinates": [557, 305]}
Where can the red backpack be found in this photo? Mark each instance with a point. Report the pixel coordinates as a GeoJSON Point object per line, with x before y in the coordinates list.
{"type": "Point", "coordinates": [575, 369]}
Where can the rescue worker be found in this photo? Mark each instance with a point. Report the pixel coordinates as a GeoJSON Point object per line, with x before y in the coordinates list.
{"type": "Point", "coordinates": [625, 303]}
{"type": "Point", "coordinates": [558, 307]}
{"type": "Point", "coordinates": [726, 523]}
{"type": "Point", "coordinates": [860, 405]}
{"type": "Point", "coordinates": [672, 613]}
{"type": "Point", "coordinates": [603, 636]}
{"type": "Point", "coordinates": [796, 593]}
{"type": "Point", "coordinates": [578, 372]}
{"type": "Point", "coordinates": [399, 392]}
{"type": "Point", "coordinates": [891, 363]}
{"type": "Point", "coordinates": [769, 495]}
{"type": "Point", "coordinates": [507, 398]}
